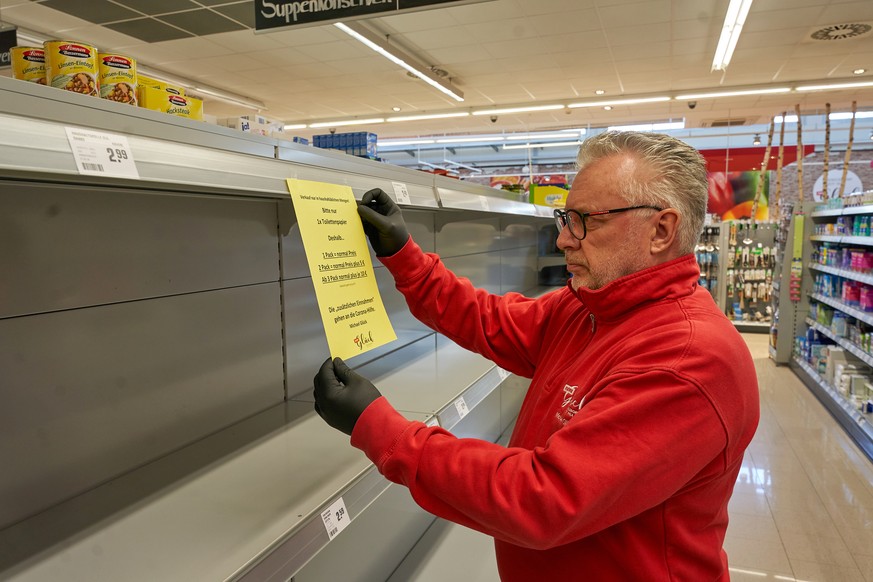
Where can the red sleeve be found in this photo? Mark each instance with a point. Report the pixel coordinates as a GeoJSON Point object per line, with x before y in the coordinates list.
{"type": "Point", "coordinates": [506, 329]}
{"type": "Point", "coordinates": [636, 443]}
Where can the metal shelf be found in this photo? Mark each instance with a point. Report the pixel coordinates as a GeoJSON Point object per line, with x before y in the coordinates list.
{"type": "Point", "coordinates": [845, 240]}
{"type": "Point", "coordinates": [852, 275]}
{"type": "Point", "coordinates": [851, 347]}
{"type": "Point", "coordinates": [250, 495]}
{"type": "Point", "coordinates": [856, 313]}
{"type": "Point", "coordinates": [846, 211]}
{"type": "Point", "coordinates": [856, 424]}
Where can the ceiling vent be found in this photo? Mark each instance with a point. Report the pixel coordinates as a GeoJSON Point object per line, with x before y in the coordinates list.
{"type": "Point", "coordinates": [842, 31]}
{"type": "Point", "coordinates": [734, 122]}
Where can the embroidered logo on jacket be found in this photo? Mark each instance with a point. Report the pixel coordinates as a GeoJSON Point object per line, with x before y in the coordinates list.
{"type": "Point", "coordinates": [570, 405]}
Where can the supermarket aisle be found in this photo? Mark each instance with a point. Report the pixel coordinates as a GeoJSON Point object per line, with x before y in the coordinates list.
{"type": "Point", "coordinates": [803, 504]}
{"type": "Point", "coordinates": [802, 509]}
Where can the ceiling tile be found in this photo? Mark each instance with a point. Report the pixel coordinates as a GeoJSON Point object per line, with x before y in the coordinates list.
{"type": "Point", "coordinates": [649, 12]}
{"type": "Point", "coordinates": [148, 30]}
{"type": "Point", "coordinates": [152, 7]}
{"type": "Point", "coordinates": [201, 22]}
{"type": "Point", "coordinates": [244, 41]}
{"type": "Point", "coordinates": [98, 11]}
{"type": "Point", "coordinates": [242, 13]}
{"type": "Point", "coordinates": [227, 2]}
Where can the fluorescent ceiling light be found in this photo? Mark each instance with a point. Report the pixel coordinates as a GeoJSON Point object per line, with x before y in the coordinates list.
{"type": "Point", "coordinates": [423, 117]}
{"type": "Point", "coordinates": [294, 126]}
{"type": "Point", "coordinates": [730, 33]}
{"type": "Point", "coordinates": [518, 109]}
{"type": "Point", "coordinates": [735, 93]}
{"type": "Point", "coordinates": [347, 122]}
{"type": "Point", "coordinates": [483, 138]}
{"type": "Point", "coordinates": [834, 86]}
{"type": "Point", "coordinates": [839, 116]}
{"type": "Point", "coordinates": [360, 33]}
{"type": "Point", "coordinates": [842, 115]}
{"type": "Point", "coordinates": [618, 102]}
{"type": "Point", "coordinates": [648, 126]}
{"type": "Point", "coordinates": [531, 136]}
{"type": "Point", "coordinates": [527, 146]}
{"type": "Point", "coordinates": [403, 142]}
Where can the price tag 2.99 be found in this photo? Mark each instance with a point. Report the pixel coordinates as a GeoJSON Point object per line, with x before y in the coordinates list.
{"type": "Point", "coordinates": [101, 154]}
{"type": "Point", "coordinates": [336, 518]}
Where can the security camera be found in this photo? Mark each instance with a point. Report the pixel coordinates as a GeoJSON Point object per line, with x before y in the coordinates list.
{"type": "Point", "coordinates": [692, 104]}
{"type": "Point", "coordinates": [493, 119]}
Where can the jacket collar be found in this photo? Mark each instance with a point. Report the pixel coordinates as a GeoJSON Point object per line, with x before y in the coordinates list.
{"type": "Point", "coordinates": [671, 280]}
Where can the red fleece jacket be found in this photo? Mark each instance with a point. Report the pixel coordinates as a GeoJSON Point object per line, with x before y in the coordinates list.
{"type": "Point", "coordinates": [627, 446]}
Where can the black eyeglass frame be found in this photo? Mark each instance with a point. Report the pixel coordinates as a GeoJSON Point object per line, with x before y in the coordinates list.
{"type": "Point", "coordinates": [562, 217]}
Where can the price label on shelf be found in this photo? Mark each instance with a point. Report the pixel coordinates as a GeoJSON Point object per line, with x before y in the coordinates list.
{"type": "Point", "coordinates": [483, 202]}
{"type": "Point", "coordinates": [401, 193]}
{"type": "Point", "coordinates": [101, 154]}
{"type": "Point", "coordinates": [461, 407]}
{"type": "Point", "coordinates": [336, 518]}
{"type": "Point", "coordinates": [433, 421]}
{"type": "Point", "coordinates": [503, 374]}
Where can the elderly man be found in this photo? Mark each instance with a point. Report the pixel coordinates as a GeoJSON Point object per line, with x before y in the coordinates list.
{"type": "Point", "coordinates": [643, 396]}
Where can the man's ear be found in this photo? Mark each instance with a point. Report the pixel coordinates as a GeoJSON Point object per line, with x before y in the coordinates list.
{"type": "Point", "coordinates": [666, 231]}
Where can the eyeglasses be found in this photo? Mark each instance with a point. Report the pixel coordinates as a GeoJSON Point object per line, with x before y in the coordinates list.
{"type": "Point", "coordinates": [576, 220]}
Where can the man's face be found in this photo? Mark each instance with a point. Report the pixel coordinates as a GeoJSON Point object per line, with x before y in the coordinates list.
{"type": "Point", "coordinates": [616, 244]}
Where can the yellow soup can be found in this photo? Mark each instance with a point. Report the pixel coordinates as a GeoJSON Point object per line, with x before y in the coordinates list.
{"type": "Point", "coordinates": [71, 66]}
{"type": "Point", "coordinates": [117, 77]}
{"type": "Point", "coordinates": [28, 64]}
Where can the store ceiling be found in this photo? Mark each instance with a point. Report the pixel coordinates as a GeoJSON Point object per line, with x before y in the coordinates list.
{"type": "Point", "coordinates": [499, 52]}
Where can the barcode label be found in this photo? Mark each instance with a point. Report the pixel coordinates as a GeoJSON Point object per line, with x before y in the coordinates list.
{"type": "Point", "coordinates": [461, 407]}
{"type": "Point", "coordinates": [100, 153]}
{"type": "Point", "coordinates": [335, 518]}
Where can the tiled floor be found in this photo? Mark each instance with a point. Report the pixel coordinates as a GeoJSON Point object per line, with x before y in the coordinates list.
{"type": "Point", "coordinates": [802, 509]}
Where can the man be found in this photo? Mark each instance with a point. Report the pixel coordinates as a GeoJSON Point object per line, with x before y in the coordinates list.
{"type": "Point", "coordinates": [643, 396]}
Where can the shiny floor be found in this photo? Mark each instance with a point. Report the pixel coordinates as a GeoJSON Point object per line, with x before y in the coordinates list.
{"type": "Point", "coordinates": [802, 509]}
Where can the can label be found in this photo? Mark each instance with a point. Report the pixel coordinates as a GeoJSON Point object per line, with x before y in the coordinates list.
{"type": "Point", "coordinates": [71, 66]}
{"type": "Point", "coordinates": [28, 64]}
{"type": "Point", "coordinates": [117, 78]}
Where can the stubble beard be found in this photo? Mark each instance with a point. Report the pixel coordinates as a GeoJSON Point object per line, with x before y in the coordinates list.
{"type": "Point", "coordinates": [626, 259]}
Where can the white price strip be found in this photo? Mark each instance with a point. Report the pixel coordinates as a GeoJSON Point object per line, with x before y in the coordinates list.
{"type": "Point", "coordinates": [503, 374]}
{"type": "Point", "coordinates": [461, 406]}
{"type": "Point", "coordinates": [434, 421]}
{"type": "Point", "coordinates": [336, 518]}
{"type": "Point", "coordinates": [484, 203]}
{"type": "Point", "coordinates": [401, 193]}
{"type": "Point", "coordinates": [101, 154]}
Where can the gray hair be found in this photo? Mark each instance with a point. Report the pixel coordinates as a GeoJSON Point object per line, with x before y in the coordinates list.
{"type": "Point", "coordinates": [672, 175]}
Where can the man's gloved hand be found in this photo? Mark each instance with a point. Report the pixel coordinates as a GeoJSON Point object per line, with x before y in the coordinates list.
{"type": "Point", "coordinates": [341, 395]}
{"type": "Point", "coordinates": [383, 223]}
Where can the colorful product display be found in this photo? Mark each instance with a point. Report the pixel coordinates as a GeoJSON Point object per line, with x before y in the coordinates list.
{"type": "Point", "coordinates": [71, 66]}
{"type": "Point", "coordinates": [80, 68]}
{"type": "Point", "coordinates": [28, 64]}
{"type": "Point", "coordinates": [359, 143]}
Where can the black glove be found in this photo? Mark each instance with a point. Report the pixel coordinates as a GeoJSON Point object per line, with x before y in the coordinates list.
{"type": "Point", "coordinates": [341, 395]}
{"type": "Point", "coordinates": [383, 223]}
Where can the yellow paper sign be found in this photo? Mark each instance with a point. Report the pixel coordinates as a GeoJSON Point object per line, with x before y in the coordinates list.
{"type": "Point", "coordinates": [351, 307]}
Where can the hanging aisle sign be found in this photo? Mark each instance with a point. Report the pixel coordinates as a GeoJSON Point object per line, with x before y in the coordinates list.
{"type": "Point", "coordinates": [280, 14]}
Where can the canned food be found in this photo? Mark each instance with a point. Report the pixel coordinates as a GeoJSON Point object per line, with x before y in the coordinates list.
{"type": "Point", "coordinates": [117, 78]}
{"type": "Point", "coordinates": [28, 64]}
{"type": "Point", "coordinates": [71, 66]}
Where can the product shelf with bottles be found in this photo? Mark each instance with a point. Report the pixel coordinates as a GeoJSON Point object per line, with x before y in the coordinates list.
{"type": "Point", "coordinates": [746, 273]}
{"type": "Point", "coordinates": [834, 354]}
{"type": "Point", "coordinates": [707, 252]}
